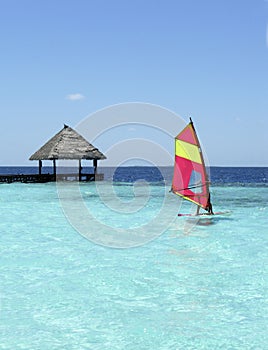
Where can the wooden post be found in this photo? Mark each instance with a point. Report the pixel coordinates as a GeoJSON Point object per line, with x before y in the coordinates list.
{"type": "Point", "coordinates": [40, 167]}
{"type": "Point", "coordinates": [54, 169]}
{"type": "Point", "coordinates": [80, 169]}
{"type": "Point", "coordinates": [95, 164]}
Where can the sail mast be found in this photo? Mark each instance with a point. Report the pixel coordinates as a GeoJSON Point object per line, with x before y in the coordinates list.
{"type": "Point", "coordinates": [202, 158]}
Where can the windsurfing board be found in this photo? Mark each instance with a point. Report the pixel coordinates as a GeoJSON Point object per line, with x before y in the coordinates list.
{"type": "Point", "coordinates": [207, 215]}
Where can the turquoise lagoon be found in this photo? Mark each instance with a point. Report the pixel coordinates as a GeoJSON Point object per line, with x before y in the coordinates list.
{"type": "Point", "coordinates": [203, 288]}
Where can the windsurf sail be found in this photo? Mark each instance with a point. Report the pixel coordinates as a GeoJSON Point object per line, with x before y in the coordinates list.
{"type": "Point", "coordinates": [190, 179]}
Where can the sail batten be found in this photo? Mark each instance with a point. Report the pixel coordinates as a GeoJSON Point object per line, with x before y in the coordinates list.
{"type": "Point", "coordinates": [190, 179]}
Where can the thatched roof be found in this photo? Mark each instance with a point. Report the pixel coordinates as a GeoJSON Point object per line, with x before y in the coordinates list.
{"type": "Point", "coordinates": [67, 144]}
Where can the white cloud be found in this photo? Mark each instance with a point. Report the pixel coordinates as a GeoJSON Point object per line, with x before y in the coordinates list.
{"type": "Point", "coordinates": [75, 97]}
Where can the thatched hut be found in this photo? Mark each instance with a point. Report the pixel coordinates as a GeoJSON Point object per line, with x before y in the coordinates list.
{"type": "Point", "coordinates": [69, 145]}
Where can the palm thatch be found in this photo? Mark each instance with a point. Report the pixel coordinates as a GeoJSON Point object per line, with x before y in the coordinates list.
{"type": "Point", "coordinates": [67, 144]}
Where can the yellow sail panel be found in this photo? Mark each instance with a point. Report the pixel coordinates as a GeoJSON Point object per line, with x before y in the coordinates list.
{"type": "Point", "coordinates": [188, 151]}
{"type": "Point", "coordinates": [186, 197]}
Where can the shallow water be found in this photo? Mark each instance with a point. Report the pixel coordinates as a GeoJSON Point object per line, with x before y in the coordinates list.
{"type": "Point", "coordinates": [198, 288]}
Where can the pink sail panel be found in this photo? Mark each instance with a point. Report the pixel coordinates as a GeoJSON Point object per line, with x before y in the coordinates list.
{"type": "Point", "coordinates": [189, 186]}
{"type": "Point", "coordinates": [187, 135]}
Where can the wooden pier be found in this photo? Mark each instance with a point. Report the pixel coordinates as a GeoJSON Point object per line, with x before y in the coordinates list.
{"type": "Point", "coordinates": [41, 178]}
{"type": "Point", "coordinates": [68, 145]}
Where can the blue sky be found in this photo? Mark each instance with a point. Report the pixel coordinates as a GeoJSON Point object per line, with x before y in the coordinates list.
{"type": "Point", "coordinates": [207, 59]}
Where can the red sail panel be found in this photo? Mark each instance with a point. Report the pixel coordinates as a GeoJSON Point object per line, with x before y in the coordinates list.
{"type": "Point", "coordinates": [190, 178]}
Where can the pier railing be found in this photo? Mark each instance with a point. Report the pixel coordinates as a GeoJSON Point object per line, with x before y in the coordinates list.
{"type": "Point", "coordinates": [37, 178]}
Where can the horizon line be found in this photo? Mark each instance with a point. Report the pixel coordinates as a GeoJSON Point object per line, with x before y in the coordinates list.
{"type": "Point", "coordinates": [136, 165]}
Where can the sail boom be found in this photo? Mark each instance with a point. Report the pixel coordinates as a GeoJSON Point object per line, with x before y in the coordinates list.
{"type": "Point", "coordinates": [191, 187]}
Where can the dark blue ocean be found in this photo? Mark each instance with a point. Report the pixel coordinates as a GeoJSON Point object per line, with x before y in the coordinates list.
{"type": "Point", "coordinates": [240, 176]}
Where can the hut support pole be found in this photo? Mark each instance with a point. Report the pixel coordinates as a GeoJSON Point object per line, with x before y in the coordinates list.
{"type": "Point", "coordinates": [95, 164]}
{"type": "Point", "coordinates": [40, 167]}
{"type": "Point", "coordinates": [54, 169]}
{"type": "Point", "coordinates": [80, 169]}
